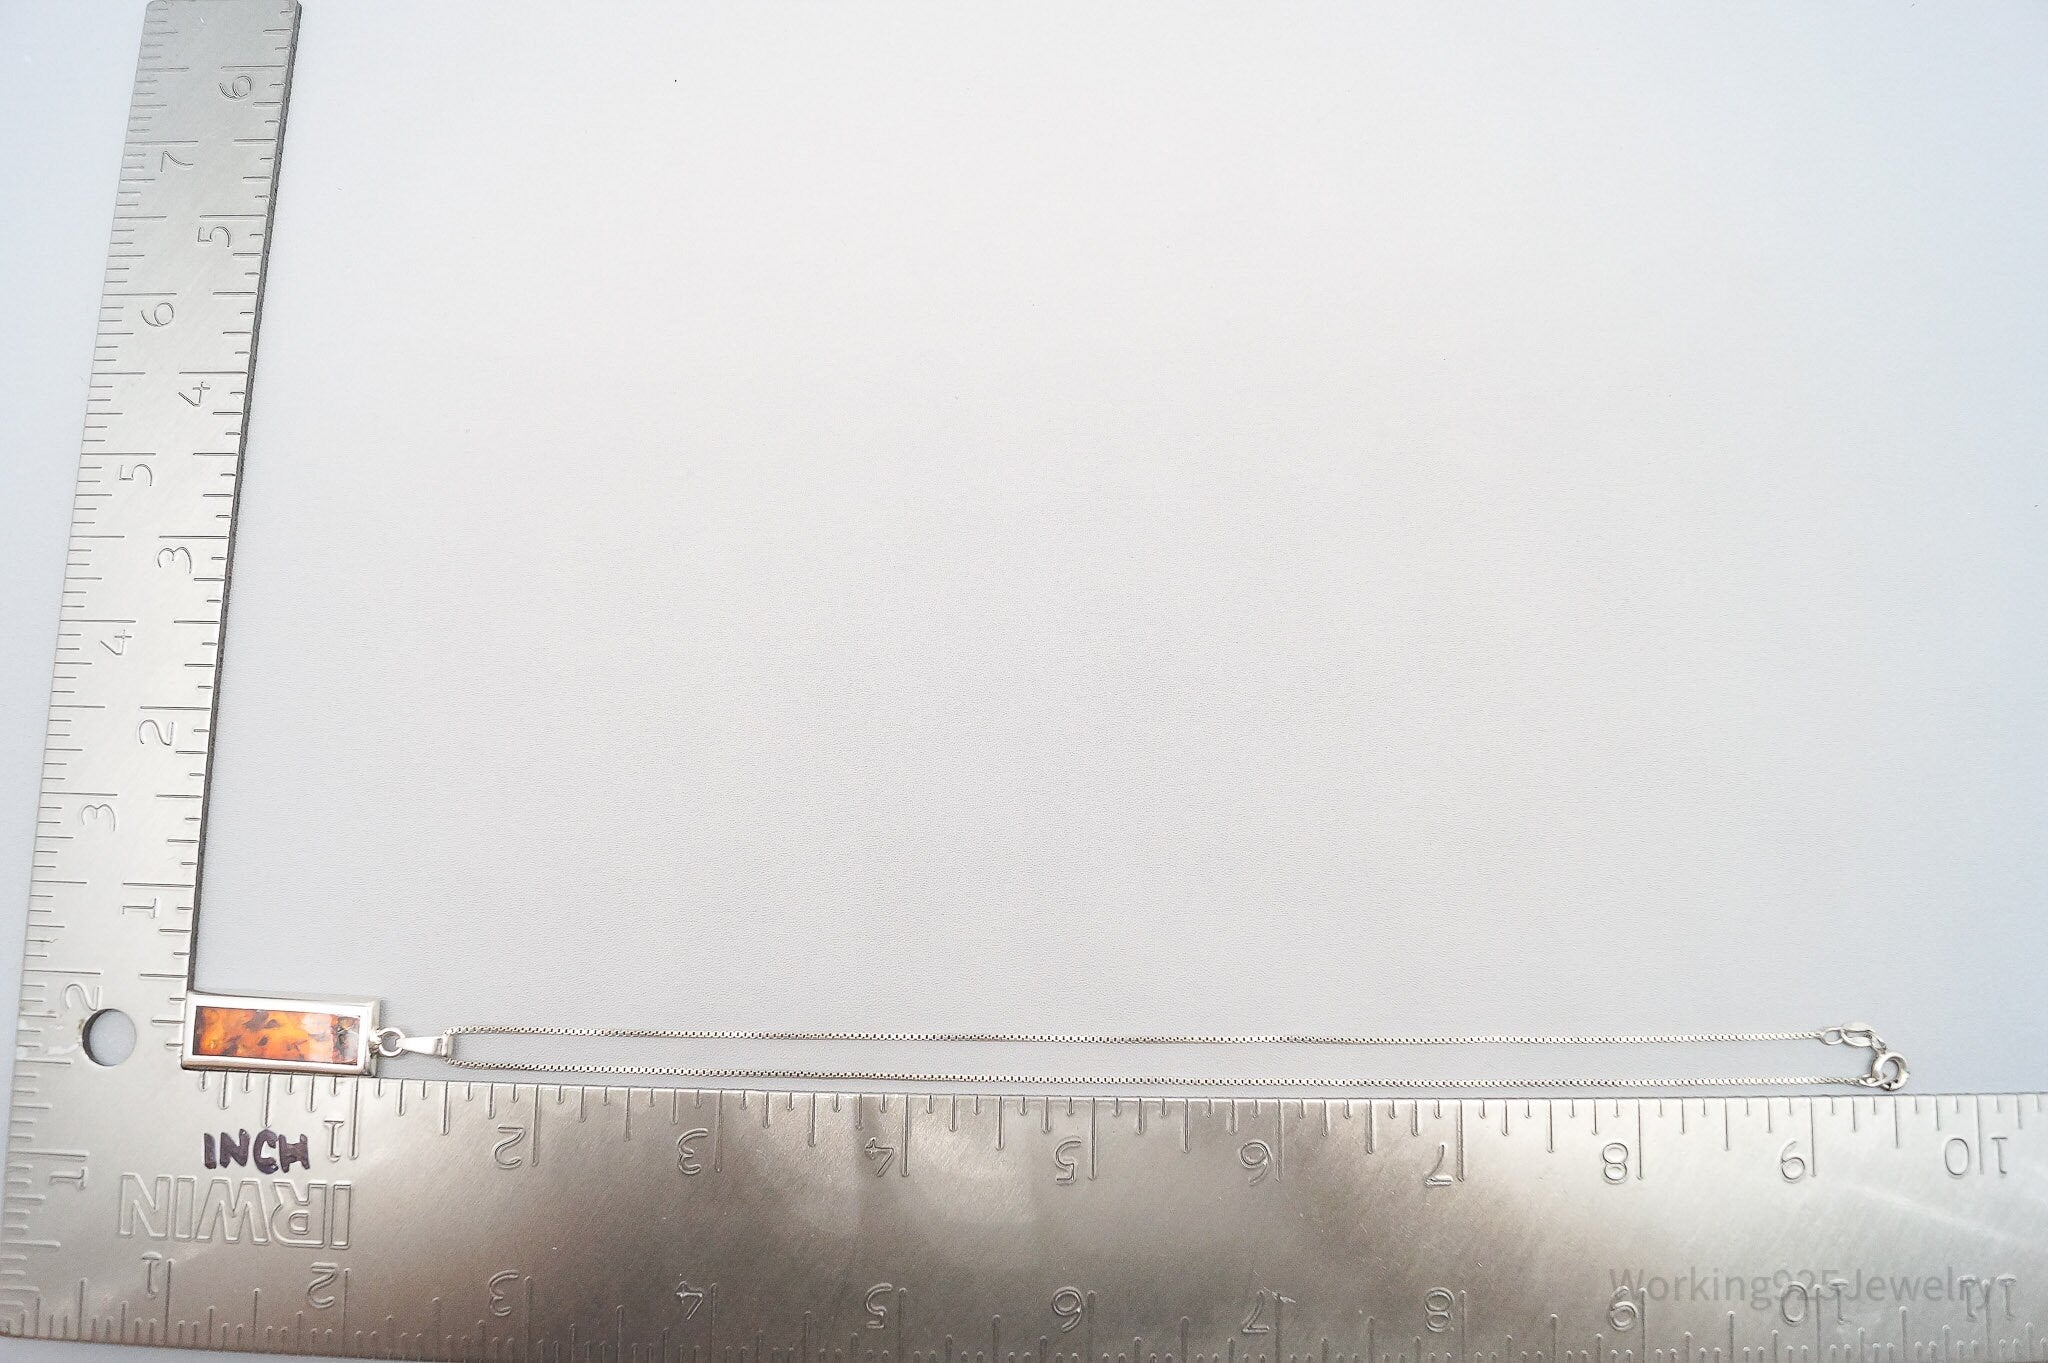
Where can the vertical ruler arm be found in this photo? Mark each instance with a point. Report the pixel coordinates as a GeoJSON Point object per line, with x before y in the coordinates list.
{"type": "Point", "coordinates": [121, 814]}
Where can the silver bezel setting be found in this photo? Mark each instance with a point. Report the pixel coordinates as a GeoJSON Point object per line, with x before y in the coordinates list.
{"type": "Point", "coordinates": [365, 1015]}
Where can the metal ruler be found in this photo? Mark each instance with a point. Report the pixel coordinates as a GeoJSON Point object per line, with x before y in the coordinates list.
{"type": "Point", "coordinates": [551, 1223]}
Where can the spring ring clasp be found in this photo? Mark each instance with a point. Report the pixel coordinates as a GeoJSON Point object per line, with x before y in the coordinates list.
{"type": "Point", "coordinates": [1887, 1070]}
{"type": "Point", "coordinates": [1887, 1067]}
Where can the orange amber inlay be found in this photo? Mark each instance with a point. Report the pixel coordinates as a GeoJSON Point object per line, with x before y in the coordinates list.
{"type": "Point", "coordinates": [264, 1034]}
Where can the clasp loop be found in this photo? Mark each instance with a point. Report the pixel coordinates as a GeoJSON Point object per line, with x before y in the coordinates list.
{"type": "Point", "coordinates": [1853, 1034]}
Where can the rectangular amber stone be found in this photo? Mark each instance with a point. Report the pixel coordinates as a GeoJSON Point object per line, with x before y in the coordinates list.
{"type": "Point", "coordinates": [282, 1037]}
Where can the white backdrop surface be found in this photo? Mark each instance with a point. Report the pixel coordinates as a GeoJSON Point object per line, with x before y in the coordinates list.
{"type": "Point", "coordinates": [1201, 517]}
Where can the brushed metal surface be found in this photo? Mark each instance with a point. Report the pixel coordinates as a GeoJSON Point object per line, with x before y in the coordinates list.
{"type": "Point", "coordinates": [431, 1219]}
{"type": "Point", "coordinates": [515, 1221]}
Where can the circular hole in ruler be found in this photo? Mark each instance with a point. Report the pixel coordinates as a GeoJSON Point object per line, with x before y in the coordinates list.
{"type": "Point", "coordinates": [109, 1036]}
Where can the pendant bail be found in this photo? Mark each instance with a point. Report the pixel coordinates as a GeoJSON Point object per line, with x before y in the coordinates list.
{"type": "Point", "coordinates": [390, 1043]}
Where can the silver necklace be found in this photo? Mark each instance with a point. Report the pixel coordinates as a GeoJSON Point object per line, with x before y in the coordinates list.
{"type": "Point", "coordinates": [1887, 1068]}
{"type": "Point", "coordinates": [244, 1032]}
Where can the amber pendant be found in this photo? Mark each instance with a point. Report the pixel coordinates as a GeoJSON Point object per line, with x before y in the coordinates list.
{"type": "Point", "coordinates": [238, 1032]}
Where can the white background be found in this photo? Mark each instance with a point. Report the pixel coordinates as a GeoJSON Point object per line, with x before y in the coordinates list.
{"type": "Point", "coordinates": [1197, 517]}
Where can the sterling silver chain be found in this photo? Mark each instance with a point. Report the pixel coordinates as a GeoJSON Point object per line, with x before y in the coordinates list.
{"type": "Point", "coordinates": [1887, 1068]}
